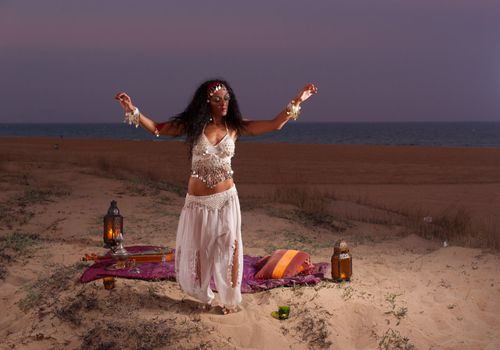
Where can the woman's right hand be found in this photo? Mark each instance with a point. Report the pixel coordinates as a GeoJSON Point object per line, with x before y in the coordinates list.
{"type": "Point", "coordinates": [125, 101]}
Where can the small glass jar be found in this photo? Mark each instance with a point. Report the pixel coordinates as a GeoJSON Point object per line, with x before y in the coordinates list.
{"type": "Point", "coordinates": [109, 282]}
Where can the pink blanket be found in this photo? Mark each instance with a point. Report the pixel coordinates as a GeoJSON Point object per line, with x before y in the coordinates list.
{"type": "Point", "coordinates": [166, 271]}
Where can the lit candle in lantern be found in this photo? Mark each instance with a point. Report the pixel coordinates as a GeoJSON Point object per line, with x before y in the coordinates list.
{"type": "Point", "coordinates": [113, 225]}
{"type": "Point", "coordinates": [341, 261]}
{"type": "Point", "coordinates": [113, 228]}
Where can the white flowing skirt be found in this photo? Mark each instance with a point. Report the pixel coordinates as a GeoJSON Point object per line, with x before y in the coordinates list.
{"type": "Point", "coordinates": [209, 245]}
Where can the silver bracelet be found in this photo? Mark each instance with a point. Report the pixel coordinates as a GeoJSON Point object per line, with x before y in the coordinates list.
{"type": "Point", "coordinates": [133, 117]}
{"type": "Point", "coordinates": [293, 110]}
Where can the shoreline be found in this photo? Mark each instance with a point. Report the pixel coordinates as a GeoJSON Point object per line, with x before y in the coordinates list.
{"type": "Point", "coordinates": [249, 141]}
{"type": "Point", "coordinates": [431, 134]}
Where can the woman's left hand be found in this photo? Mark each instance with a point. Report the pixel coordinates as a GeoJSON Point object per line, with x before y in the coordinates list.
{"type": "Point", "coordinates": [306, 92]}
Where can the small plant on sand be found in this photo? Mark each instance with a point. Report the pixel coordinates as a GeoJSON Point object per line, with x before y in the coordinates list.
{"type": "Point", "coordinates": [69, 310]}
{"type": "Point", "coordinates": [47, 288]}
{"type": "Point", "coordinates": [34, 196]}
{"type": "Point", "coordinates": [13, 245]}
{"type": "Point", "coordinates": [298, 289]}
{"type": "Point", "coordinates": [19, 242]}
{"type": "Point", "coordinates": [347, 293]}
{"type": "Point", "coordinates": [398, 312]}
{"type": "Point", "coordinates": [324, 284]}
{"type": "Point", "coordinates": [391, 298]}
{"type": "Point", "coordinates": [442, 283]}
{"type": "Point", "coordinates": [312, 327]}
{"type": "Point", "coordinates": [392, 339]}
{"type": "Point", "coordinates": [154, 292]}
{"type": "Point", "coordinates": [12, 213]}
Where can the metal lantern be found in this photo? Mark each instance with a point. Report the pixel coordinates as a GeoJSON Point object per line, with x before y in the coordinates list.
{"type": "Point", "coordinates": [113, 231]}
{"type": "Point", "coordinates": [341, 261]}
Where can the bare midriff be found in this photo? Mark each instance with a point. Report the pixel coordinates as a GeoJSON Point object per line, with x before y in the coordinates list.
{"type": "Point", "coordinates": [196, 187]}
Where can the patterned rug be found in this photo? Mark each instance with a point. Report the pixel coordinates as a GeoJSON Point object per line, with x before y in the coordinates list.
{"type": "Point", "coordinates": [166, 271]}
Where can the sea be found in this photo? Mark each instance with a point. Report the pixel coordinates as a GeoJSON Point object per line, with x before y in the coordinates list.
{"type": "Point", "coordinates": [446, 134]}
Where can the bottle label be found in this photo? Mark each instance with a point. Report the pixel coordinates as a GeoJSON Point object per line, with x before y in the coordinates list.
{"type": "Point", "coordinates": [344, 256]}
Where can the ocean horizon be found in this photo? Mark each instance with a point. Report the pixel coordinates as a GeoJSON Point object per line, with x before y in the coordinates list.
{"type": "Point", "coordinates": [446, 134]}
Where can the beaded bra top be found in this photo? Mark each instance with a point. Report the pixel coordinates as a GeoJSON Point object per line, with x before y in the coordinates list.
{"type": "Point", "coordinates": [212, 163]}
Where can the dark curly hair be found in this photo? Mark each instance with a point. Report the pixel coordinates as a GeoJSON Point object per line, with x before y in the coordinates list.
{"type": "Point", "coordinates": [198, 113]}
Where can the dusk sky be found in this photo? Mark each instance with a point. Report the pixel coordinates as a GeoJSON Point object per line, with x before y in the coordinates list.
{"type": "Point", "coordinates": [372, 60]}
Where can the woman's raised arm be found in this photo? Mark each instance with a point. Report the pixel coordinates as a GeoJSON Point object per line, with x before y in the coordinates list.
{"type": "Point", "coordinates": [166, 128]}
{"type": "Point", "coordinates": [258, 127]}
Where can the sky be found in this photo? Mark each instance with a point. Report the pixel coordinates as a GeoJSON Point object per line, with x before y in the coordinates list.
{"type": "Point", "coordinates": [372, 60]}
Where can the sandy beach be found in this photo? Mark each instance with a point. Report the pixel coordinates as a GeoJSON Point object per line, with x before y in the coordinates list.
{"type": "Point", "coordinates": [394, 205]}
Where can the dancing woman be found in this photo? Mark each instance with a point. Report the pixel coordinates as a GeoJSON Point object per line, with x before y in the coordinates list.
{"type": "Point", "coordinates": [208, 239]}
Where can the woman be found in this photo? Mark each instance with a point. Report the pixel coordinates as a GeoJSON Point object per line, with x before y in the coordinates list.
{"type": "Point", "coordinates": [208, 239]}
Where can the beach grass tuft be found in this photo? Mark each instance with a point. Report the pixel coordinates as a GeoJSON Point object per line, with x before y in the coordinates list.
{"type": "Point", "coordinates": [398, 312]}
{"type": "Point", "coordinates": [306, 199]}
{"type": "Point", "coordinates": [347, 293]}
{"type": "Point", "coordinates": [313, 329]}
{"type": "Point", "coordinates": [145, 334]}
{"type": "Point", "coordinates": [312, 207]}
{"type": "Point", "coordinates": [47, 287]}
{"type": "Point", "coordinates": [70, 311]}
{"type": "Point", "coordinates": [19, 242]}
{"type": "Point", "coordinates": [17, 209]}
{"type": "Point", "coordinates": [453, 226]}
{"type": "Point", "coordinates": [13, 245]}
{"type": "Point", "coordinates": [35, 196]}
{"type": "Point", "coordinates": [392, 340]}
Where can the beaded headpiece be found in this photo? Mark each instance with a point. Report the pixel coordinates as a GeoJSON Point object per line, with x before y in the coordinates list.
{"type": "Point", "coordinates": [214, 87]}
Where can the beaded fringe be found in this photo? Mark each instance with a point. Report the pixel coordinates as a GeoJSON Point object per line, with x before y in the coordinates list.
{"type": "Point", "coordinates": [215, 201]}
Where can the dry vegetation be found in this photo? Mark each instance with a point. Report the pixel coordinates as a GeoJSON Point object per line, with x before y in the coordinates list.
{"type": "Point", "coordinates": [44, 291]}
{"type": "Point", "coordinates": [311, 207]}
{"type": "Point", "coordinates": [13, 246]}
{"type": "Point", "coordinates": [18, 210]}
{"type": "Point", "coordinates": [454, 226]}
{"type": "Point", "coordinates": [111, 321]}
{"type": "Point", "coordinates": [392, 340]}
{"type": "Point", "coordinates": [314, 208]}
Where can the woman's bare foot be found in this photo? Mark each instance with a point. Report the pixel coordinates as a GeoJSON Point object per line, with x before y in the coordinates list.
{"type": "Point", "coordinates": [205, 307]}
{"type": "Point", "coordinates": [228, 310]}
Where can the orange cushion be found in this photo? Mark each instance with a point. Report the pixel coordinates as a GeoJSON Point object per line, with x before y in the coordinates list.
{"type": "Point", "coordinates": [283, 263]}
